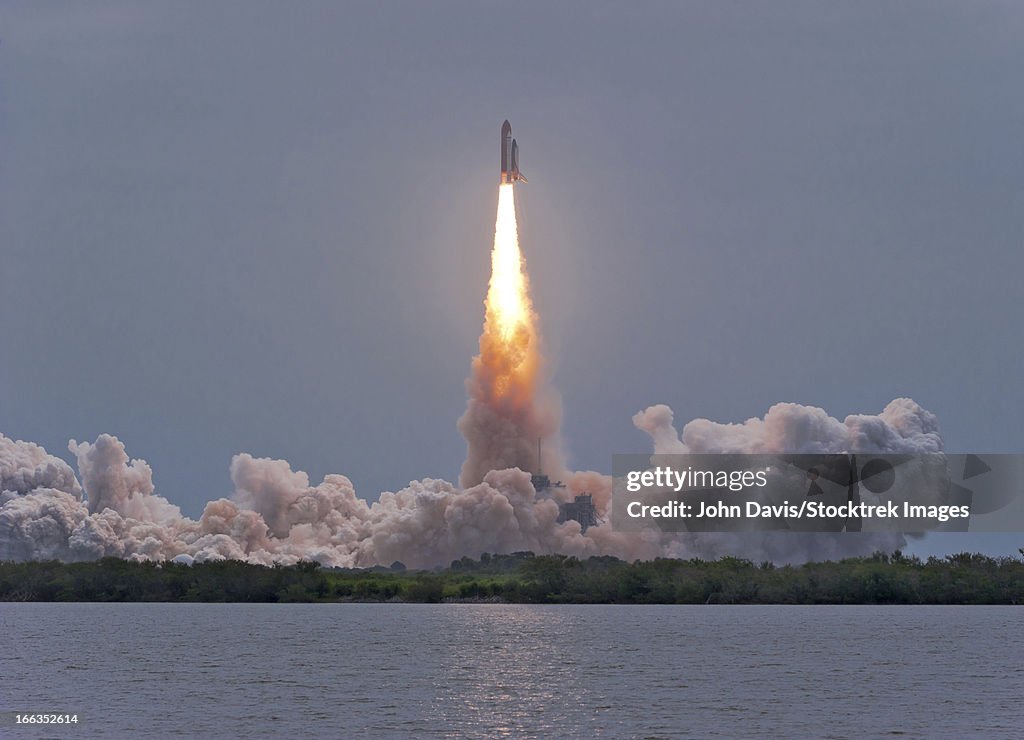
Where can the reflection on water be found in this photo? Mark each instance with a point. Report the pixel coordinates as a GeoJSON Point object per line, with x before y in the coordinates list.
{"type": "Point", "coordinates": [498, 670]}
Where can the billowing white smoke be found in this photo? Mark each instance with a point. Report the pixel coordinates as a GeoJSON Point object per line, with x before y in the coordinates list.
{"type": "Point", "coordinates": [25, 466]}
{"type": "Point", "coordinates": [903, 427]}
{"type": "Point", "coordinates": [498, 438]}
{"type": "Point", "coordinates": [275, 515]}
{"type": "Point", "coordinates": [112, 481]}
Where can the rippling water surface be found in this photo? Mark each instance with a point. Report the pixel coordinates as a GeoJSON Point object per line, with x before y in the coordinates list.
{"type": "Point", "coordinates": [239, 670]}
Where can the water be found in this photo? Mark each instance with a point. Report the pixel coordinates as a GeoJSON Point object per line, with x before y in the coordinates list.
{"type": "Point", "coordinates": [238, 670]}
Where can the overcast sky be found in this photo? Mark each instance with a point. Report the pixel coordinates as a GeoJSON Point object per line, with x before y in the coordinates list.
{"type": "Point", "coordinates": [266, 228]}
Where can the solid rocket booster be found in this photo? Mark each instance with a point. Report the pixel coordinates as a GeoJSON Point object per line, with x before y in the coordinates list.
{"type": "Point", "coordinates": [509, 156]}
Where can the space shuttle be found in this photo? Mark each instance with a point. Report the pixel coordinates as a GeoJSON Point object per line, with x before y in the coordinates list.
{"type": "Point", "coordinates": [509, 156]}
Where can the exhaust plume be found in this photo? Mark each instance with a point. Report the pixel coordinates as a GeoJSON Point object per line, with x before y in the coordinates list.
{"type": "Point", "coordinates": [511, 405]}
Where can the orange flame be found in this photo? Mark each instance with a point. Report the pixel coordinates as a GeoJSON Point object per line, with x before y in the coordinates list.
{"type": "Point", "coordinates": [509, 352]}
{"type": "Point", "coordinates": [510, 404]}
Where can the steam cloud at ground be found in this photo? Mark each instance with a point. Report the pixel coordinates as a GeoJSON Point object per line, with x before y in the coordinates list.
{"type": "Point", "coordinates": [274, 514]}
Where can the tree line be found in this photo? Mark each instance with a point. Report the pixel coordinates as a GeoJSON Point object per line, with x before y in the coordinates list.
{"type": "Point", "coordinates": [966, 578]}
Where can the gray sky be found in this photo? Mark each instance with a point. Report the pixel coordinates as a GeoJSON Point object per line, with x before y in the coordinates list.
{"type": "Point", "coordinates": [266, 228]}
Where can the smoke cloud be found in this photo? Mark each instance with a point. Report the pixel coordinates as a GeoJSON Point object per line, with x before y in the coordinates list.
{"type": "Point", "coordinates": [274, 514]}
{"type": "Point", "coordinates": [25, 467]}
{"type": "Point", "coordinates": [903, 427]}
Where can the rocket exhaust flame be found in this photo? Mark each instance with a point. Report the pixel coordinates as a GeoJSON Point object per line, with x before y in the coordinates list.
{"type": "Point", "coordinates": [509, 407]}
{"type": "Point", "coordinates": [508, 346]}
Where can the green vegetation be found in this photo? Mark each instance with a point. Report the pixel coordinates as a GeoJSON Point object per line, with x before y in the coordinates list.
{"type": "Point", "coordinates": [527, 578]}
